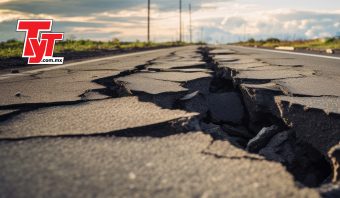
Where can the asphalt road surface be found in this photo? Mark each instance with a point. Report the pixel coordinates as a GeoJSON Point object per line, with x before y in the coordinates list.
{"type": "Point", "coordinates": [174, 122]}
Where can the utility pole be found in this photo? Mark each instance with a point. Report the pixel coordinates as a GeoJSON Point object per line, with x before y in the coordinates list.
{"type": "Point", "coordinates": [190, 28]}
{"type": "Point", "coordinates": [180, 20]}
{"type": "Point", "coordinates": [148, 21]}
{"type": "Point", "coordinates": [244, 32]}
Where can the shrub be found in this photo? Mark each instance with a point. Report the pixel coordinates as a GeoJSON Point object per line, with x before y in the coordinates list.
{"type": "Point", "coordinates": [273, 40]}
{"type": "Point", "coordinates": [251, 40]}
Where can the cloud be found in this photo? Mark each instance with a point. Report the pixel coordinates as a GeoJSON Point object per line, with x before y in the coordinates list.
{"type": "Point", "coordinates": [289, 23]}
{"type": "Point", "coordinates": [216, 20]}
{"type": "Point", "coordinates": [81, 7]}
{"type": "Point", "coordinates": [252, 21]}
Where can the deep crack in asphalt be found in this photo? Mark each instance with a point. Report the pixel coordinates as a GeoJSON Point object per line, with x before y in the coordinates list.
{"type": "Point", "coordinates": [249, 123]}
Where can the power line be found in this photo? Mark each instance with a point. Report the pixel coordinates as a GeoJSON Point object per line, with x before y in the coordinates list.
{"type": "Point", "coordinates": [180, 20]}
{"type": "Point", "coordinates": [190, 27]}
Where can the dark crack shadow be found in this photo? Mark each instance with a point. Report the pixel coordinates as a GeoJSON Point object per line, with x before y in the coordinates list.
{"type": "Point", "coordinates": [217, 156]}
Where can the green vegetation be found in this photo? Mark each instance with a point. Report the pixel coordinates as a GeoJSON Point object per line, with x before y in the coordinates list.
{"type": "Point", "coordinates": [11, 48]}
{"type": "Point", "coordinates": [327, 43]}
{"type": "Point", "coordinates": [14, 48]}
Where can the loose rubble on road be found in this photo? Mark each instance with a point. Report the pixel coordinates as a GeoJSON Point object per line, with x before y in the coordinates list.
{"type": "Point", "coordinates": [182, 122]}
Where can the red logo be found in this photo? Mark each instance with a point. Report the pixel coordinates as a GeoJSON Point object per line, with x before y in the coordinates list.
{"type": "Point", "coordinates": [39, 41]}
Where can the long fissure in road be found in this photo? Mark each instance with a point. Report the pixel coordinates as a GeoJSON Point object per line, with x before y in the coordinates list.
{"type": "Point", "coordinates": [256, 131]}
{"type": "Point", "coordinates": [224, 115]}
{"type": "Point", "coordinates": [295, 124]}
{"type": "Point", "coordinates": [187, 121]}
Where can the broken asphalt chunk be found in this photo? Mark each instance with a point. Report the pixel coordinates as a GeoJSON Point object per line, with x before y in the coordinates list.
{"type": "Point", "coordinates": [262, 138]}
{"type": "Point", "coordinates": [311, 86]}
{"type": "Point", "coordinates": [217, 132]}
{"type": "Point", "coordinates": [149, 85]}
{"type": "Point", "coordinates": [278, 149]}
{"type": "Point", "coordinates": [321, 129]}
{"type": "Point", "coordinates": [97, 117]}
{"type": "Point", "coordinates": [121, 90]}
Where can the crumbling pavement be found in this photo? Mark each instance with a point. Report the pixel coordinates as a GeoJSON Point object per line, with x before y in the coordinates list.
{"type": "Point", "coordinates": [298, 103]}
{"type": "Point", "coordinates": [179, 125]}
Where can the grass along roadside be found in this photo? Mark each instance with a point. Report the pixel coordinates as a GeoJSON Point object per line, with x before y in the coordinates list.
{"type": "Point", "coordinates": [71, 50]}
{"type": "Point", "coordinates": [14, 48]}
{"type": "Point", "coordinates": [314, 44]}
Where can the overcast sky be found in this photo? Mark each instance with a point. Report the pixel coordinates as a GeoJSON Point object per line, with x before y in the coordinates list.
{"type": "Point", "coordinates": [213, 20]}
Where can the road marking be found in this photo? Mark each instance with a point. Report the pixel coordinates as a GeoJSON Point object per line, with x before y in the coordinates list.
{"type": "Point", "coordinates": [7, 76]}
{"type": "Point", "coordinates": [292, 53]}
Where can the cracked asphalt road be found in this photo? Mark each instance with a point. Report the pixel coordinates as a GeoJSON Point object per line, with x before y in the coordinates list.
{"type": "Point", "coordinates": [291, 87]}
{"type": "Point", "coordinates": [172, 166]}
{"type": "Point", "coordinates": [118, 128]}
